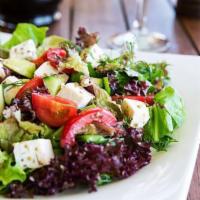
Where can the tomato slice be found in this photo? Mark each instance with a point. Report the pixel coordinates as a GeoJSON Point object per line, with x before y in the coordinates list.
{"type": "Point", "coordinates": [30, 86]}
{"type": "Point", "coordinates": [53, 55]}
{"type": "Point", "coordinates": [146, 99]}
{"type": "Point", "coordinates": [53, 111]}
{"type": "Point", "coordinates": [41, 59]}
{"type": "Point", "coordinates": [89, 116]}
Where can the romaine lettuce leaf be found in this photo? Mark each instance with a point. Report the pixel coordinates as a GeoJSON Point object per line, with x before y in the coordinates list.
{"type": "Point", "coordinates": [166, 115]}
{"type": "Point", "coordinates": [24, 32]}
{"type": "Point", "coordinates": [9, 172]}
{"type": "Point", "coordinates": [173, 104]}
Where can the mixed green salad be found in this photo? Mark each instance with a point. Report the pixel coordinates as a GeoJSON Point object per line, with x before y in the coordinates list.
{"type": "Point", "coordinates": [73, 114]}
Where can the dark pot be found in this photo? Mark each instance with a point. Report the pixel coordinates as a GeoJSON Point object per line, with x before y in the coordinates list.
{"type": "Point", "coordinates": [39, 12]}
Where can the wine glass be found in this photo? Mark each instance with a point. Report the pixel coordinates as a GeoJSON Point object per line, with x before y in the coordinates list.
{"type": "Point", "coordinates": [145, 39]}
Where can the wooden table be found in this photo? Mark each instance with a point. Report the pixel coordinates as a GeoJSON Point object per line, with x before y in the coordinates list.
{"type": "Point", "coordinates": [114, 16]}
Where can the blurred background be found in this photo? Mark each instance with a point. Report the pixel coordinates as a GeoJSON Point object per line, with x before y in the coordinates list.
{"type": "Point", "coordinates": [158, 25]}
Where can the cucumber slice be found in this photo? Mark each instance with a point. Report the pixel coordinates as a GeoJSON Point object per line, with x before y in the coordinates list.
{"type": "Point", "coordinates": [53, 83]}
{"type": "Point", "coordinates": [107, 85]}
{"type": "Point", "coordinates": [10, 93]}
{"type": "Point", "coordinates": [91, 138]}
{"type": "Point", "coordinates": [2, 103]}
{"type": "Point", "coordinates": [20, 66]}
{"type": "Point", "coordinates": [104, 179]}
{"type": "Point", "coordinates": [11, 86]}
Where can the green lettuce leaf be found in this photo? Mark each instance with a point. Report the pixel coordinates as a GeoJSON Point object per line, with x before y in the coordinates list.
{"type": "Point", "coordinates": [12, 131]}
{"type": "Point", "coordinates": [24, 32]}
{"type": "Point", "coordinates": [172, 103]}
{"type": "Point", "coordinates": [155, 73]}
{"type": "Point", "coordinates": [9, 172]}
{"type": "Point", "coordinates": [165, 116]}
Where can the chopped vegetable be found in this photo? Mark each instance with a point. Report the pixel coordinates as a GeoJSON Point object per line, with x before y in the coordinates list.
{"type": "Point", "coordinates": [30, 86]}
{"type": "Point", "coordinates": [95, 115]}
{"type": "Point", "coordinates": [9, 172]}
{"type": "Point", "coordinates": [24, 32]}
{"type": "Point", "coordinates": [165, 116]}
{"type": "Point", "coordinates": [91, 138]}
{"type": "Point", "coordinates": [54, 111]}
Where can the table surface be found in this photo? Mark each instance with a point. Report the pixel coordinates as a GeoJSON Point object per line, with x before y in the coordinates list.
{"type": "Point", "coordinates": [113, 16]}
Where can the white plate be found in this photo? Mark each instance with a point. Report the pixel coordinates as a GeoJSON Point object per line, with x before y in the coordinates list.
{"type": "Point", "coordinates": [169, 175]}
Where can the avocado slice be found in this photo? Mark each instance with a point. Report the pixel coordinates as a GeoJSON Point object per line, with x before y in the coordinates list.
{"type": "Point", "coordinates": [20, 66]}
{"type": "Point", "coordinates": [53, 83]}
{"type": "Point", "coordinates": [2, 103]}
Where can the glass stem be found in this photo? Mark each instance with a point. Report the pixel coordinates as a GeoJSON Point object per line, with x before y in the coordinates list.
{"type": "Point", "coordinates": [139, 22]}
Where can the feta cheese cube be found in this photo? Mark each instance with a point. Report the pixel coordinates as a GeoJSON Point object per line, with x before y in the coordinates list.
{"type": "Point", "coordinates": [25, 50]}
{"type": "Point", "coordinates": [33, 153]}
{"type": "Point", "coordinates": [137, 111]}
{"type": "Point", "coordinates": [12, 111]}
{"type": "Point", "coordinates": [46, 70]}
{"type": "Point", "coordinates": [76, 93]}
{"type": "Point", "coordinates": [94, 55]}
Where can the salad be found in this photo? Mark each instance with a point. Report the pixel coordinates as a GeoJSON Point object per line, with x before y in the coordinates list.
{"type": "Point", "coordinates": [74, 115]}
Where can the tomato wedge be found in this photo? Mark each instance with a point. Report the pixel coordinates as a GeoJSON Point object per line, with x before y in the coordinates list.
{"type": "Point", "coordinates": [30, 86]}
{"type": "Point", "coordinates": [53, 55]}
{"type": "Point", "coordinates": [89, 116]}
{"type": "Point", "coordinates": [41, 59]}
{"type": "Point", "coordinates": [53, 111]}
{"type": "Point", "coordinates": [146, 99]}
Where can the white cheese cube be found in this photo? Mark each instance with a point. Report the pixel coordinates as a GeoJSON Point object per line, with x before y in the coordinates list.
{"type": "Point", "coordinates": [76, 93]}
{"type": "Point", "coordinates": [94, 55]}
{"type": "Point", "coordinates": [137, 111]}
{"type": "Point", "coordinates": [46, 70]}
{"type": "Point", "coordinates": [33, 153]}
{"type": "Point", "coordinates": [11, 111]}
{"type": "Point", "coordinates": [25, 50]}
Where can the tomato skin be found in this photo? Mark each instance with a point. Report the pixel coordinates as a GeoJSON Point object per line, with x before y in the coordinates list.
{"type": "Point", "coordinates": [30, 86]}
{"type": "Point", "coordinates": [41, 59]}
{"type": "Point", "coordinates": [146, 99]}
{"type": "Point", "coordinates": [53, 111]}
{"type": "Point", "coordinates": [53, 55]}
{"type": "Point", "coordinates": [84, 118]}
{"type": "Point", "coordinates": [68, 71]}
